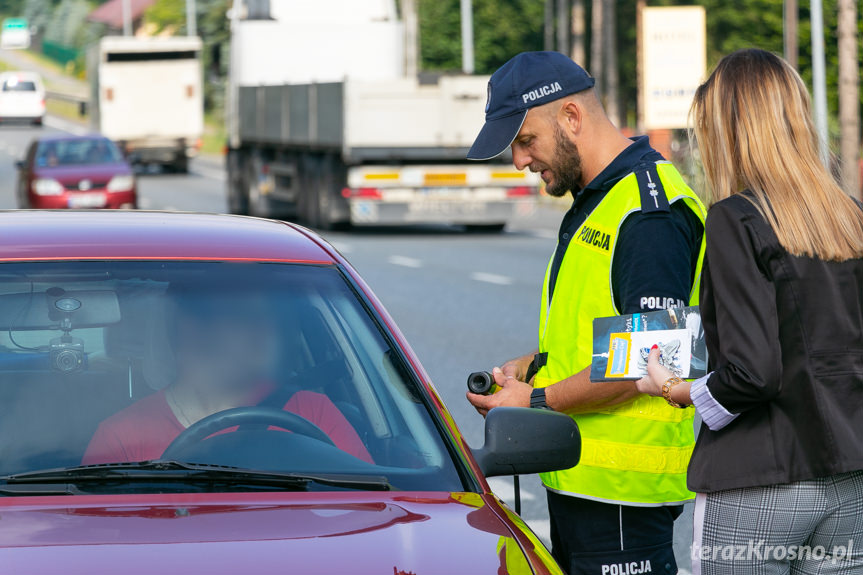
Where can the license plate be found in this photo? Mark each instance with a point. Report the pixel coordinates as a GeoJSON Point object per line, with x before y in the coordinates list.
{"type": "Point", "coordinates": [446, 208]}
{"type": "Point", "coordinates": [87, 201]}
{"type": "Point", "coordinates": [443, 193]}
{"type": "Point", "coordinates": [364, 212]}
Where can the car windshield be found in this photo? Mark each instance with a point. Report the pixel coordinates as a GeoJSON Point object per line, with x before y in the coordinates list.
{"type": "Point", "coordinates": [76, 152]}
{"type": "Point", "coordinates": [277, 368]}
{"type": "Point", "coordinates": [15, 85]}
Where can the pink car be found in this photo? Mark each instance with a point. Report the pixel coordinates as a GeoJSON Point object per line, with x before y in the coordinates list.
{"type": "Point", "coordinates": [219, 395]}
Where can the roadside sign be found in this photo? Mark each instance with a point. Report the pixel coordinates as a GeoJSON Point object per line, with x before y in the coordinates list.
{"type": "Point", "coordinates": [15, 34]}
{"type": "Point", "coordinates": [673, 63]}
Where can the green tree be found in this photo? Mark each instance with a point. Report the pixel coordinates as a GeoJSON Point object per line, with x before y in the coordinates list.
{"type": "Point", "coordinates": [169, 16]}
{"type": "Point", "coordinates": [11, 8]}
{"type": "Point", "coordinates": [502, 29]}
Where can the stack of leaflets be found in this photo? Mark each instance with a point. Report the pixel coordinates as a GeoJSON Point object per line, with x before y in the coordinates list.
{"type": "Point", "coordinates": [622, 343]}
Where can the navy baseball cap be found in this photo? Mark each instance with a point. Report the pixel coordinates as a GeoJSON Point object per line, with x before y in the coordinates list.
{"type": "Point", "coordinates": [527, 80]}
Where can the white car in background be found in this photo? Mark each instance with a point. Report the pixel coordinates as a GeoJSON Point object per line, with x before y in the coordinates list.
{"type": "Point", "coordinates": [22, 97]}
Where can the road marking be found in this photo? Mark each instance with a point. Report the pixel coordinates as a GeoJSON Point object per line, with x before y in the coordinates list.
{"type": "Point", "coordinates": [491, 278]}
{"type": "Point", "coordinates": [405, 261]}
{"type": "Point", "coordinates": [63, 125]}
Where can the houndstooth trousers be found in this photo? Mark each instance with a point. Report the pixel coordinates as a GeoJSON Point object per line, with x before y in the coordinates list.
{"type": "Point", "coordinates": [812, 527]}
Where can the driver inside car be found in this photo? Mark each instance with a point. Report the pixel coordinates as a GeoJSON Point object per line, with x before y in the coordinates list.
{"type": "Point", "coordinates": [225, 347]}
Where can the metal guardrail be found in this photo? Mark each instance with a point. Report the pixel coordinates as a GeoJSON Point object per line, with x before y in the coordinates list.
{"type": "Point", "coordinates": [82, 102]}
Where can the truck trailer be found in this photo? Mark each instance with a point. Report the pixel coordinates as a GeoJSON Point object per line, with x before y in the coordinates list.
{"type": "Point", "coordinates": [324, 124]}
{"type": "Point", "coordinates": [147, 95]}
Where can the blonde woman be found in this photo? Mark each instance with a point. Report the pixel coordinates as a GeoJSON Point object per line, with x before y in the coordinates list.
{"type": "Point", "coordinates": [777, 465]}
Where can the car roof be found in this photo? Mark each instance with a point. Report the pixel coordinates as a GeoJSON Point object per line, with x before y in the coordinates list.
{"type": "Point", "coordinates": [97, 235]}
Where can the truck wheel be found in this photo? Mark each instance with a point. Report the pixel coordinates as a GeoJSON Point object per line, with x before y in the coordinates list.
{"type": "Point", "coordinates": [320, 207]}
{"type": "Point", "coordinates": [336, 206]}
{"type": "Point", "coordinates": [259, 204]}
{"type": "Point", "coordinates": [325, 208]}
{"type": "Point", "coordinates": [181, 164]}
{"type": "Point", "coordinates": [238, 201]}
{"type": "Point", "coordinates": [312, 190]}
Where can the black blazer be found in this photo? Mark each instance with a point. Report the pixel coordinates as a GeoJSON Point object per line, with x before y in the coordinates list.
{"type": "Point", "coordinates": [785, 338]}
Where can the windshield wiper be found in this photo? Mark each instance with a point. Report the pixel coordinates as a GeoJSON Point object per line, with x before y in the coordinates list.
{"type": "Point", "coordinates": [180, 471]}
{"type": "Point", "coordinates": [38, 489]}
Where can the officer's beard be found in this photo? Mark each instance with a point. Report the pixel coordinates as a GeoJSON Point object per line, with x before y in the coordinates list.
{"type": "Point", "coordinates": [567, 170]}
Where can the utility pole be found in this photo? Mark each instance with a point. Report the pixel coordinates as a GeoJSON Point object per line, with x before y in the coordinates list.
{"type": "Point", "coordinates": [409, 17]}
{"type": "Point", "coordinates": [791, 15]}
{"type": "Point", "coordinates": [639, 65]}
{"type": "Point", "coordinates": [548, 29]}
{"type": "Point", "coordinates": [127, 17]}
{"type": "Point", "coordinates": [849, 116]}
{"type": "Point", "coordinates": [819, 81]}
{"type": "Point", "coordinates": [596, 61]}
{"type": "Point", "coordinates": [467, 62]}
{"type": "Point", "coordinates": [578, 51]}
{"type": "Point", "coordinates": [609, 40]}
{"type": "Point", "coordinates": [191, 18]}
{"type": "Point", "coordinates": [563, 24]}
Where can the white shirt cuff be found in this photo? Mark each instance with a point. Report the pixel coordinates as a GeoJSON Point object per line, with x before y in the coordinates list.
{"type": "Point", "coordinates": [711, 411]}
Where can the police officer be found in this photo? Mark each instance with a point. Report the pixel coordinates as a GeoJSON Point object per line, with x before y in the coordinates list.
{"type": "Point", "coordinates": [631, 242]}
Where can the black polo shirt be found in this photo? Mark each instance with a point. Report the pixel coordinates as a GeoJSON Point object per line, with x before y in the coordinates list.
{"type": "Point", "coordinates": [656, 252]}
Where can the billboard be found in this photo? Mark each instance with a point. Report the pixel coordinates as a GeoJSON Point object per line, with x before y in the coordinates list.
{"type": "Point", "coordinates": [674, 53]}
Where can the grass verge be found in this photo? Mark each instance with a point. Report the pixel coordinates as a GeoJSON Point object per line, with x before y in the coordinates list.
{"type": "Point", "coordinates": [66, 110]}
{"type": "Point", "coordinates": [215, 135]}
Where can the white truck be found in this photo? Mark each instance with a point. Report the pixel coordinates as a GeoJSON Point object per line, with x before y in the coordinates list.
{"type": "Point", "coordinates": [147, 95]}
{"type": "Point", "coordinates": [324, 125]}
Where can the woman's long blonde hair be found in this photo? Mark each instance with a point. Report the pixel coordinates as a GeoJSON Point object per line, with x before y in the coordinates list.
{"type": "Point", "coordinates": [754, 129]}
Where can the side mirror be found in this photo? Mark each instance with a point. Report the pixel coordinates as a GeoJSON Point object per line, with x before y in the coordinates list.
{"type": "Point", "coordinates": [82, 109]}
{"type": "Point", "coordinates": [19, 164]}
{"type": "Point", "coordinates": [521, 440]}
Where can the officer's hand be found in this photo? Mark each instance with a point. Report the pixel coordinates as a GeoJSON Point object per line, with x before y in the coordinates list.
{"type": "Point", "coordinates": [512, 393]}
{"type": "Point", "coordinates": [513, 369]}
{"type": "Point", "coordinates": [657, 375]}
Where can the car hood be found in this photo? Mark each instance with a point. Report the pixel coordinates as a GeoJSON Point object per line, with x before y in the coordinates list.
{"type": "Point", "coordinates": [254, 533]}
{"type": "Point", "coordinates": [64, 174]}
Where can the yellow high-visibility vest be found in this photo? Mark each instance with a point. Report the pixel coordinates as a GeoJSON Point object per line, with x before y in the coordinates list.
{"type": "Point", "coordinates": [637, 452]}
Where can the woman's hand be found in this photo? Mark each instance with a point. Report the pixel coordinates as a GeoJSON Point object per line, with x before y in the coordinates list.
{"type": "Point", "coordinates": [657, 375]}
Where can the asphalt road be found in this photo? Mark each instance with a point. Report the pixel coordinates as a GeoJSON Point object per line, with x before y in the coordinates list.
{"type": "Point", "coordinates": [465, 302]}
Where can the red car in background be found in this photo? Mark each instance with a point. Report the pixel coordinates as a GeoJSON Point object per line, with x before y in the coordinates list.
{"type": "Point", "coordinates": [326, 449]}
{"type": "Point", "coordinates": [63, 171]}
